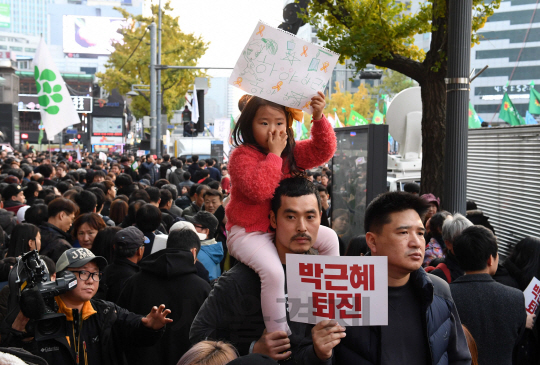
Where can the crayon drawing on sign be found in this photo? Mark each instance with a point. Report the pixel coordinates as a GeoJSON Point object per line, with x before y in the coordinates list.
{"type": "Point", "coordinates": [278, 66]}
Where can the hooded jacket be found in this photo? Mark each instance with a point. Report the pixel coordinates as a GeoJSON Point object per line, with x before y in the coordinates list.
{"type": "Point", "coordinates": [7, 221]}
{"type": "Point", "coordinates": [442, 326]}
{"type": "Point", "coordinates": [176, 176]}
{"type": "Point", "coordinates": [13, 206]}
{"type": "Point", "coordinates": [210, 256]}
{"type": "Point", "coordinates": [53, 241]}
{"type": "Point", "coordinates": [167, 277]}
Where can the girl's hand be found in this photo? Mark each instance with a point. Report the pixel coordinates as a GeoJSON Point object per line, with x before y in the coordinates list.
{"type": "Point", "coordinates": [277, 143]}
{"type": "Point", "coordinates": [318, 103]}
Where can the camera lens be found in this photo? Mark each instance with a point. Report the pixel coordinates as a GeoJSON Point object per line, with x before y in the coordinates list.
{"type": "Point", "coordinates": [49, 326]}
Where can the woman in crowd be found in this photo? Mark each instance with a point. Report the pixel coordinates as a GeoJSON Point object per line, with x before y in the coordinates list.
{"type": "Point", "coordinates": [25, 237]}
{"type": "Point", "coordinates": [118, 211]}
{"type": "Point", "coordinates": [85, 228]}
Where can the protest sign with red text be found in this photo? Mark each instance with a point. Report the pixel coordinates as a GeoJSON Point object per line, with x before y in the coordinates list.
{"type": "Point", "coordinates": [532, 296]}
{"type": "Point", "coordinates": [351, 290]}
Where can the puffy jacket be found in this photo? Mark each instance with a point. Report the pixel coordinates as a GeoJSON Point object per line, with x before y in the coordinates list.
{"type": "Point", "coordinates": [7, 221]}
{"type": "Point", "coordinates": [446, 339]}
{"type": "Point", "coordinates": [210, 256]}
{"type": "Point", "coordinates": [53, 241]}
{"type": "Point", "coordinates": [176, 176]}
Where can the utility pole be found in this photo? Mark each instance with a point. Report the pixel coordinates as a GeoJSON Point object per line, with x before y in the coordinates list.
{"type": "Point", "coordinates": [153, 134]}
{"type": "Point", "coordinates": [457, 106]}
{"type": "Point", "coordinates": [159, 106]}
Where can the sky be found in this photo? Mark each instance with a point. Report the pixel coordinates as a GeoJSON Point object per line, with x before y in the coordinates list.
{"type": "Point", "coordinates": [226, 24]}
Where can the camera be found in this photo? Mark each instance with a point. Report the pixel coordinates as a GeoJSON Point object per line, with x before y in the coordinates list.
{"type": "Point", "coordinates": [32, 292]}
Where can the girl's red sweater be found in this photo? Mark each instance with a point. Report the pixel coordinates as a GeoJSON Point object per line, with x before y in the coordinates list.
{"type": "Point", "coordinates": [255, 176]}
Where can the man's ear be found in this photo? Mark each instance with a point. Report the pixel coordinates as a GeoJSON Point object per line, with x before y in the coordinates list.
{"type": "Point", "coordinates": [491, 261]}
{"type": "Point", "coordinates": [371, 242]}
{"type": "Point", "coordinates": [273, 220]}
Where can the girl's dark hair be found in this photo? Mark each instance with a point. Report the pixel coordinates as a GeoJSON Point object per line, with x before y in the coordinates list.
{"type": "Point", "coordinates": [118, 211]}
{"type": "Point", "coordinates": [525, 258]}
{"type": "Point", "coordinates": [243, 131]}
{"type": "Point", "coordinates": [20, 237]}
{"type": "Point", "coordinates": [104, 242]}
{"type": "Point", "coordinates": [357, 246]}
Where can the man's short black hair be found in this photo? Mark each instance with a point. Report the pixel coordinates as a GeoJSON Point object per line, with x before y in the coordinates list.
{"type": "Point", "coordinates": [148, 218]}
{"type": "Point", "coordinates": [36, 214]}
{"type": "Point", "coordinates": [322, 188]}
{"type": "Point", "coordinates": [183, 239]}
{"type": "Point", "coordinates": [474, 246]}
{"type": "Point", "coordinates": [123, 180]}
{"type": "Point", "coordinates": [202, 163]}
{"type": "Point", "coordinates": [139, 194]}
{"type": "Point", "coordinates": [100, 197]}
{"type": "Point", "coordinates": [201, 188]}
{"type": "Point", "coordinates": [165, 196]}
{"type": "Point", "coordinates": [379, 210]}
{"type": "Point", "coordinates": [58, 205]}
{"type": "Point", "coordinates": [195, 158]}
{"type": "Point", "coordinates": [209, 162]}
{"type": "Point", "coordinates": [63, 186]}
{"type": "Point", "coordinates": [166, 158]}
{"type": "Point", "coordinates": [178, 163]}
{"type": "Point", "coordinates": [173, 189]}
{"type": "Point", "coordinates": [46, 170]}
{"type": "Point", "coordinates": [153, 193]}
{"type": "Point", "coordinates": [186, 175]}
{"type": "Point", "coordinates": [193, 189]}
{"type": "Point", "coordinates": [86, 200]}
{"type": "Point", "coordinates": [294, 187]}
{"type": "Point", "coordinates": [213, 192]}
{"type": "Point", "coordinates": [411, 188]}
{"type": "Point", "coordinates": [26, 169]}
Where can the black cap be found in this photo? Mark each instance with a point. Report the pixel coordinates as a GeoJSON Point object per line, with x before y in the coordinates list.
{"type": "Point", "coordinates": [253, 359]}
{"type": "Point", "coordinates": [11, 190]}
{"type": "Point", "coordinates": [130, 237]}
{"type": "Point", "coordinates": [204, 219]}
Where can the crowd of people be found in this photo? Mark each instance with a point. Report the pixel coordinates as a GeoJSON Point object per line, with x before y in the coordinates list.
{"type": "Point", "coordinates": [176, 261]}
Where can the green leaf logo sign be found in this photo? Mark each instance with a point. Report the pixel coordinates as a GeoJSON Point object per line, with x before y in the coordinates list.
{"type": "Point", "coordinates": [51, 93]}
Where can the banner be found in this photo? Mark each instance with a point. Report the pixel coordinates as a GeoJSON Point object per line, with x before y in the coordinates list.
{"type": "Point", "coordinates": [351, 290]}
{"type": "Point", "coordinates": [278, 66]}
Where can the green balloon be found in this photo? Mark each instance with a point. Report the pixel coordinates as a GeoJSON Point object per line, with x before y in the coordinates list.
{"type": "Point", "coordinates": [38, 87]}
{"type": "Point", "coordinates": [47, 88]}
{"type": "Point", "coordinates": [57, 88]}
{"type": "Point", "coordinates": [36, 73]}
{"type": "Point", "coordinates": [57, 98]}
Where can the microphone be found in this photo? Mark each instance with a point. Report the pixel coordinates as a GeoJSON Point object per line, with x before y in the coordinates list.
{"type": "Point", "coordinates": [32, 304]}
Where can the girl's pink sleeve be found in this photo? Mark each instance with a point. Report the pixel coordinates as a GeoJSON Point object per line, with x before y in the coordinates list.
{"type": "Point", "coordinates": [319, 149]}
{"type": "Point", "coordinates": [257, 179]}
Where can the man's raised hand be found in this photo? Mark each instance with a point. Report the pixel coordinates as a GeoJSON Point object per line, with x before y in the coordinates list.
{"type": "Point", "coordinates": [157, 318]}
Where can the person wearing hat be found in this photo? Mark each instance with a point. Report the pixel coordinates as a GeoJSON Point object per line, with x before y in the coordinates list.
{"type": "Point", "coordinates": [97, 330]}
{"type": "Point", "coordinates": [434, 205]}
{"type": "Point", "coordinates": [126, 164]}
{"type": "Point", "coordinates": [168, 276]}
{"type": "Point", "coordinates": [211, 252]}
{"type": "Point", "coordinates": [129, 245]}
{"type": "Point", "coordinates": [13, 198]}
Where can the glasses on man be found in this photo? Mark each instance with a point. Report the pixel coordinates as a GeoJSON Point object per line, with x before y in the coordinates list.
{"type": "Point", "coordinates": [85, 275]}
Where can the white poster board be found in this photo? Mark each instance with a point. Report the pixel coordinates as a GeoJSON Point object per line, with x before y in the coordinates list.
{"type": "Point", "coordinates": [351, 290]}
{"type": "Point", "coordinates": [278, 66]}
{"type": "Point", "coordinates": [102, 156]}
{"type": "Point", "coordinates": [532, 296]}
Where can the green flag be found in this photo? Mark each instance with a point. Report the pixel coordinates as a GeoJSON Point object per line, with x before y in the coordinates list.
{"type": "Point", "coordinates": [356, 118]}
{"type": "Point", "coordinates": [305, 132]}
{"type": "Point", "coordinates": [534, 101]}
{"type": "Point", "coordinates": [55, 105]}
{"type": "Point", "coordinates": [40, 137]}
{"type": "Point", "coordinates": [378, 117]}
{"type": "Point", "coordinates": [474, 120]}
{"type": "Point", "coordinates": [384, 97]}
{"type": "Point", "coordinates": [508, 113]}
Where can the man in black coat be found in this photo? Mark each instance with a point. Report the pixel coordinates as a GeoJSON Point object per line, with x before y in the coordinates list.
{"type": "Point", "coordinates": [54, 237]}
{"type": "Point", "coordinates": [232, 311]}
{"type": "Point", "coordinates": [127, 168]}
{"type": "Point", "coordinates": [494, 313]}
{"type": "Point", "coordinates": [128, 251]}
{"type": "Point", "coordinates": [170, 277]}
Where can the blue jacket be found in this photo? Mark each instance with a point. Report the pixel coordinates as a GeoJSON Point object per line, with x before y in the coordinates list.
{"type": "Point", "coordinates": [210, 256]}
{"type": "Point", "coordinates": [149, 168]}
{"type": "Point", "coordinates": [447, 343]}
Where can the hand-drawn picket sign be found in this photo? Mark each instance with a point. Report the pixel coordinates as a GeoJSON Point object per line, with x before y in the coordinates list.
{"type": "Point", "coordinates": [278, 66]}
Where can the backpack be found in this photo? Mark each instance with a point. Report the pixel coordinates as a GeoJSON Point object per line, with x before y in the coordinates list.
{"type": "Point", "coordinates": [442, 266]}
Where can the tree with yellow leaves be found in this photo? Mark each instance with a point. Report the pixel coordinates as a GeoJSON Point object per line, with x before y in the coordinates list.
{"type": "Point", "coordinates": [129, 63]}
{"type": "Point", "coordinates": [339, 100]}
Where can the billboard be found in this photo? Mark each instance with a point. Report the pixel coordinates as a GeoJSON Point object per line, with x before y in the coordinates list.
{"type": "Point", "coordinates": [91, 34]}
{"type": "Point", "coordinates": [5, 15]}
{"type": "Point", "coordinates": [107, 126]}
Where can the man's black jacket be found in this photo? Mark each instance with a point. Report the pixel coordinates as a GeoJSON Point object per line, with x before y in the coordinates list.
{"type": "Point", "coordinates": [233, 313]}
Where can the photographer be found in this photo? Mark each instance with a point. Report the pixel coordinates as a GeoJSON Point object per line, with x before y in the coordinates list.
{"type": "Point", "coordinates": [97, 331]}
